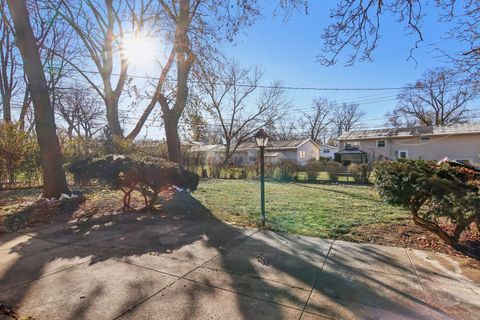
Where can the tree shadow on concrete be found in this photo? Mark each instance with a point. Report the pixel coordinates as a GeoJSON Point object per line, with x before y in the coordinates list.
{"type": "Point", "coordinates": [181, 262]}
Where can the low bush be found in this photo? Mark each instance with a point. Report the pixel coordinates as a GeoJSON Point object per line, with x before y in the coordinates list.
{"type": "Point", "coordinates": [19, 156]}
{"type": "Point", "coordinates": [312, 168]}
{"type": "Point", "coordinates": [333, 169]}
{"type": "Point", "coordinates": [243, 173]}
{"type": "Point", "coordinates": [115, 145]}
{"type": "Point", "coordinates": [148, 174]}
{"type": "Point", "coordinates": [215, 169]}
{"type": "Point", "coordinates": [433, 194]}
{"type": "Point", "coordinates": [269, 170]}
{"type": "Point", "coordinates": [192, 160]}
{"type": "Point", "coordinates": [361, 172]}
{"type": "Point", "coordinates": [80, 148]}
{"type": "Point", "coordinates": [286, 170]}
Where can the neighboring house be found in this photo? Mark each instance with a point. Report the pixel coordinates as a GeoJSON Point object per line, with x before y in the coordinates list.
{"type": "Point", "coordinates": [328, 151]}
{"type": "Point", "coordinates": [247, 153]}
{"type": "Point", "coordinates": [460, 142]}
{"type": "Point", "coordinates": [212, 153]}
{"type": "Point", "coordinates": [301, 151]}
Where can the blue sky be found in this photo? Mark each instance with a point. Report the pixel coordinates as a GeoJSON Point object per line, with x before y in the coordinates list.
{"type": "Point", "coordinates": [287, 51]}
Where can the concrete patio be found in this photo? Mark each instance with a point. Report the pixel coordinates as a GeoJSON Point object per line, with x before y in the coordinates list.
{"type": "Point", "coordinates": [136, 266]}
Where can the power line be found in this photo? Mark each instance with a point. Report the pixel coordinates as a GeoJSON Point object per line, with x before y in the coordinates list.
{"type": "Point", "coordinates": [301, 88]}
{"type": "Point", "coordinates": [126, 117]}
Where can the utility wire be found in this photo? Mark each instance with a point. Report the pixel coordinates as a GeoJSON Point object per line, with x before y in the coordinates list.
{"type": "Point", "coordinates": [302, 88]}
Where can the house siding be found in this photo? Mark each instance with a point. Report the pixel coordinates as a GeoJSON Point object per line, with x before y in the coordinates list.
{"type": "Point", "coordinates": [329, 154]}
{"type": "Point", "coordinates": [311, 152]}
{"type": "Point", "coordinates": [466, 146]}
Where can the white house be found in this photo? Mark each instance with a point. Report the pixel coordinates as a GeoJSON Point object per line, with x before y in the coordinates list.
{"type": "Point", "coordinates": [300, 151]}
{"type": "Point", "coordinates": [212, 153]}
{"type": "Point", "coordinates": [328, 151]}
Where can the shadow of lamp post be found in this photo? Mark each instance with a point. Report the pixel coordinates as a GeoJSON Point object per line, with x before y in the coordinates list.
{"type": "Point", "coordinates": [261, 138]}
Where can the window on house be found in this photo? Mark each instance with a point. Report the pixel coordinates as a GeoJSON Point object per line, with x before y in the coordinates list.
{"type": "Point", "coordinates": [252, 158]}
{"type": "Point", "coordinates": [424, 138]}
{"type": "Point", "coordinates": [352, 145]}
{"type": "Point", "coordinates": [326, 150]}
{"type": "Point", "coordinates": [403, 154]}
{"type": "Point", "coordinates": [381, 143]}
{"type": "Point", "coordinates": [302, 154]}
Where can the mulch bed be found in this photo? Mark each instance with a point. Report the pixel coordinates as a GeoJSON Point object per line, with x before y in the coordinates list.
{"type": "Point", "coordinates": [10, 313]}
{"type": "Point", "coordinates": [39, 213]}
{"type": "Point", "coordinates": [409, 235]}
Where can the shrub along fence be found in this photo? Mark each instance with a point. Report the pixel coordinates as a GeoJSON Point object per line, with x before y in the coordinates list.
{"type": "Point", "coordinates": [20, 160]}
{"type": "Point", "coordinates": [287, 170]}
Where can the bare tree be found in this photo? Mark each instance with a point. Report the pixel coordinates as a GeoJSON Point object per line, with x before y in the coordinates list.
{"type": "Point", "coordinates": [196, 27]}
{"type": "Point", "coordinates": [213, 134]}
{"type": "Point", "coordinates": [317, 121]}
{"type": "Point", "coordinates": [54, 182]}
{"type": "Point", "coordinates": [357, 26]}
{"type": "Point", "coordinates": [196, 124]}
{"type": "Point", "coordinates": [81, 111]}
{"type": "Point", "coordinates": [8, 63]}
{"type": "Point", "coordinates": [465, 15]}
{"type": "Point", "coordinates": [347, 117]}
{"type": "Point", "coordinates": [284, 129]}
{"type": "Point", "coordinates": [51, 37]}
{"type": "Point", "coordinates": [240, 108]}
{"type": "Point", "coordinates": [101, 27]}
{"type": "Point", "coordinates": [12, 76]}
{"type": "Point", "coordinates": [398, 119]}
{"type": "Point", "coordinates": [438, 98]}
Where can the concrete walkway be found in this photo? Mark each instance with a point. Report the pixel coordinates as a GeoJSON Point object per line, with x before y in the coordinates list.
{"type": "Point", "coordinates": [153, 267]}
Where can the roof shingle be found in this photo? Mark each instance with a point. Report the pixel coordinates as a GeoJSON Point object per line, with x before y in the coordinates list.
{"type": "Point", "coordinates": [274, 145]}
{"type": "Point", "coordinates": [411, 132]}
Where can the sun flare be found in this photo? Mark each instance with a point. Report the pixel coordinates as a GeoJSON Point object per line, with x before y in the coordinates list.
{"type": "Point", "coordinates": [139, 49]}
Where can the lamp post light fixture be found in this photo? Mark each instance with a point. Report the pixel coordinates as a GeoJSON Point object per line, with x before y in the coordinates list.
{"type": "Point", "coordinates": [261, 138]}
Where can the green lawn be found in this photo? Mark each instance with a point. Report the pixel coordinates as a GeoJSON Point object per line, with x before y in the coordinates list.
{"type": "Point", "coordinates": [321, 210]}
{"type": "Point", "coordinates": [308, 209]}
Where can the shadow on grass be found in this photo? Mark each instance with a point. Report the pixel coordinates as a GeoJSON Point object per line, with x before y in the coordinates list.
{"type": "Point", "coordinates": [349, 194]}
{"type": "Point", "coordinates": [102, 268]}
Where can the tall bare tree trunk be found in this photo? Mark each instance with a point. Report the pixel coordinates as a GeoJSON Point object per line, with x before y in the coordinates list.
{"type": "Point", "coordinates": [171, 133]}
{"type": "Point", "coordinates": [112, 117]}
{"type": "Point", "coordinates": [54, 182]}
{"type": "Point", "coordinates": [184, 59]}
{"type": "Point", "coordinates": [7, 115]}
{"type": "Point", "coordinates": [25, 107]}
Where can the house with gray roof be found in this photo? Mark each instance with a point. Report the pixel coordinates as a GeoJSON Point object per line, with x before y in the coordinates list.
{"type": "Point", "coordinates": [456, 142]}
{"type": "Point", "coordinates": [211, 153]}
{"type": "Point", "coordinates": [300, 151]}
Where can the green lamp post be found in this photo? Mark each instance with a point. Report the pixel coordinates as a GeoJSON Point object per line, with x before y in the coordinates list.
{"type": "Point", "coordinates": [261, 138]}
